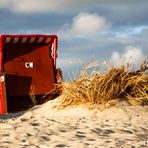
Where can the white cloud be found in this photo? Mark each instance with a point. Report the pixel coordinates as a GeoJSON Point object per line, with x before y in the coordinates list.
{"type": "Point", "coordinates": [4, 3]}
{"type": "Point", "coordinates": [32, 6]}
{"type": "Point", "coordinates": [131, 55]}
{"type": "Point", "coordinates": [85, 24]}
{"type": "Point", "coordinates": [29, 6]}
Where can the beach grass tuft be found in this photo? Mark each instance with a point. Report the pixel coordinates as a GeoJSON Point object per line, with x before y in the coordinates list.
{"type": "Point", "coordinates": [106, 89]}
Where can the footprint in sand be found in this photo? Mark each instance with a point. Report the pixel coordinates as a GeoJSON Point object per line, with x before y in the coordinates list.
{"type": "Point", "coordinates": [102, 132]}
{"type": "Point", "coordinates": [80, 134]}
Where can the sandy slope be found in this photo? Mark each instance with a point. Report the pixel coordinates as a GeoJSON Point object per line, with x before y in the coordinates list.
{"type": "Point", "coordinates": [43, 127]}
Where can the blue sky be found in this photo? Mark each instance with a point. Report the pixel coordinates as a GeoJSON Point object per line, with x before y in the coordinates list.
{"type": "Point", "coordinates": [109, 30]}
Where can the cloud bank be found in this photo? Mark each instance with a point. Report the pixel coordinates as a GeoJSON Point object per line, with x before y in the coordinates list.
{"type": "Point", "coordinates": [31, 6]}
{"type": "Point", "coordinates": [85, 24]}
{"type": "Point", "coordinates": [131, 55]}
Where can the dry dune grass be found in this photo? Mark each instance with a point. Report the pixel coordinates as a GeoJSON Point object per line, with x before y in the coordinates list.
{"type": "Point", "coordinates": [106, 89]}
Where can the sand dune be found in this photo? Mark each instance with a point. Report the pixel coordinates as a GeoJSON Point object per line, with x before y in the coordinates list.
{"type": "Point", "coordinates": [43, 127]}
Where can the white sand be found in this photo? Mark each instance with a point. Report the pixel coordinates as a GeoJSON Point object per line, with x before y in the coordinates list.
{"type": "Point", "coordinates": [43, 127]}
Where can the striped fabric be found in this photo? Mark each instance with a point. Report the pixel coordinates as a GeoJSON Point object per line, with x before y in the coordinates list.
{"type": "Point", "coordinates": [30, 40]}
